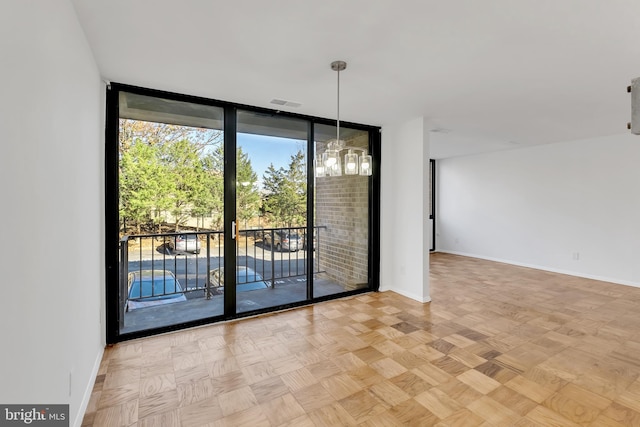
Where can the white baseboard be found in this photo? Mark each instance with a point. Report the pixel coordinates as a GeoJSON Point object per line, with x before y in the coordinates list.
{"type": "Point", "coordinates": [88, 390]}
{"type": "Point", "coordinates": [544, 268]}
{"type": "Point", "coordinates": [408, 295]}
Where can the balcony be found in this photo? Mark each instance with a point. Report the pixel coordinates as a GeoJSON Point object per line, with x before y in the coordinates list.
{"type": "Point", "coordinates": [271, 271]}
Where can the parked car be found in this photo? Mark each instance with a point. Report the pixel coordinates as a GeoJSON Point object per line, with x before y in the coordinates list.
{"type": "Point", "coordinates": [283, 240]}
{"type": "Point", "coordinates": [252, 232]}
{"type": "Point", "coordinates": [153, 287]}
{"type": "Point", "coordinates": [247, 279]}
{"type": "Point", "coordinates": [187, 243]}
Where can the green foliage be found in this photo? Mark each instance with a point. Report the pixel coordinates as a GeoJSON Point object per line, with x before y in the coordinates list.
{"type": "Point", "coordinates": [168, 168]}
{"type": "Point", "coordinates": [213, 163]}
{"type": "Point", "coordinates": [180, 170]}
{"type": "Point", "coordinates": [247, 195]}
{"type": "Point", "coordinates": [145, 184]}
{"type": "Point", "coordinates": [191, 195]}
{"type": "Point", "coordinates": [286, 192]}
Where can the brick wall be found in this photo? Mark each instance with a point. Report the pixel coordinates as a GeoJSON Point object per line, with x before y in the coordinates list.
{"type": "Point", "coordinates": [342, 206]}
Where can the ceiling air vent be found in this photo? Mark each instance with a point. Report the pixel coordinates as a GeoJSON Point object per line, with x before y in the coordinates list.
{"type": "Point", "coordinates": [292, 104]}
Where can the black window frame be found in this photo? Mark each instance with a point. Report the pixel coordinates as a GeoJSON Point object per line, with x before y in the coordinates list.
{"type": "Point", "coordinates": [432, 213]}
{"type": "Point", "coordinates": [112, 240]}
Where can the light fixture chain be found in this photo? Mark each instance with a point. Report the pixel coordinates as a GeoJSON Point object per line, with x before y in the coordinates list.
{"type": "Point", "coordinates": [330, 163]}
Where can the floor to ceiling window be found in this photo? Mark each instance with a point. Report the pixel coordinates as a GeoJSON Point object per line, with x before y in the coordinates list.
{"type": "Point", "coordinates": [342, 214]}
{"type": "Point", "coordinates": [271, 203]}
{"type": "Point", "coordinates": [214, 211]}
{"type": "Point", "coordinates": [170, 210]}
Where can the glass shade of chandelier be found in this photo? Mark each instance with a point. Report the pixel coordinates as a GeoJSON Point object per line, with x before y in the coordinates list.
{"type": "Point", "coordinates": [330, 164]}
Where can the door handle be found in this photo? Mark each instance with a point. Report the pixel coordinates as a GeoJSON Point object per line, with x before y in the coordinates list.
{"type": "Point", "coordinates": [234, 231]}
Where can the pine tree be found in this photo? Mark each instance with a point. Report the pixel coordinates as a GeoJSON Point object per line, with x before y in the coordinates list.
{"type": "Point", "coordinates": [286, 192]}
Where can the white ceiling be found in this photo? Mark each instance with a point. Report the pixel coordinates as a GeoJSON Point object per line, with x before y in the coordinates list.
{"type": "Point", "coordinates": [488, 75]}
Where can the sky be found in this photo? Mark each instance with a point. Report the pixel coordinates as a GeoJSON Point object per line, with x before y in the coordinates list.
{"type": "Point", "coordinates": [264, 150]}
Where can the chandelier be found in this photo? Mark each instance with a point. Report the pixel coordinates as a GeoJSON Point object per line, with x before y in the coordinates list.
{"type": "Point", "coordinates": [330, 163]}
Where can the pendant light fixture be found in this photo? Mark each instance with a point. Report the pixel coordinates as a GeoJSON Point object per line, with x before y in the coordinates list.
{"type": "Point", "coordinates": [329, 164]}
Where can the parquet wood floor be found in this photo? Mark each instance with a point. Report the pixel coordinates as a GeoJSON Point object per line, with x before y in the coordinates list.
{"type": "Point", "coordinates": [499, 345]}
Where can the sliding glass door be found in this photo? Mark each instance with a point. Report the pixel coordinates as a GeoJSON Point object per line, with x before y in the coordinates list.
{"type": "Point", "coordinates": [214, 212]}
{"type": "Point", "coordinates": [171, 210]}
{"type": "Point", "coordinates": [271, 211]}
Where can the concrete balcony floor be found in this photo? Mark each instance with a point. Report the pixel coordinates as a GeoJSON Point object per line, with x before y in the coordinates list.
{"type": "Point", "coordinates": [198, 307]}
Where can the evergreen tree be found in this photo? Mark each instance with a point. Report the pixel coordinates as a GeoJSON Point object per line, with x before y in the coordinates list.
{"type": "Point", "coordinates": [163, 168]}
{"type": "Point", "coordinates": [286, 192]}
{"type": "Point", "coordinates": [214, 170]}
{"type": "Point", "coordinates": [247, 195]}
{"type": "Point", "coordinates": [191, 195]}
{"type": "Point", "coordinates": [145, 185]}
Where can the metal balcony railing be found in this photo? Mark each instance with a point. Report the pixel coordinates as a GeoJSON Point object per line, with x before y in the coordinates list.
{"type": "Point", "coordinates": [196, 259]}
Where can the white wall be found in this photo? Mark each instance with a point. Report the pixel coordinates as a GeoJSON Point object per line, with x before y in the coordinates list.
{"type": "Point", "coordinates": [571, 207]}
{"type": "Point", "coordinates": [51, 181]}
{"type": "Point", "coordinates": [405, 230]}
